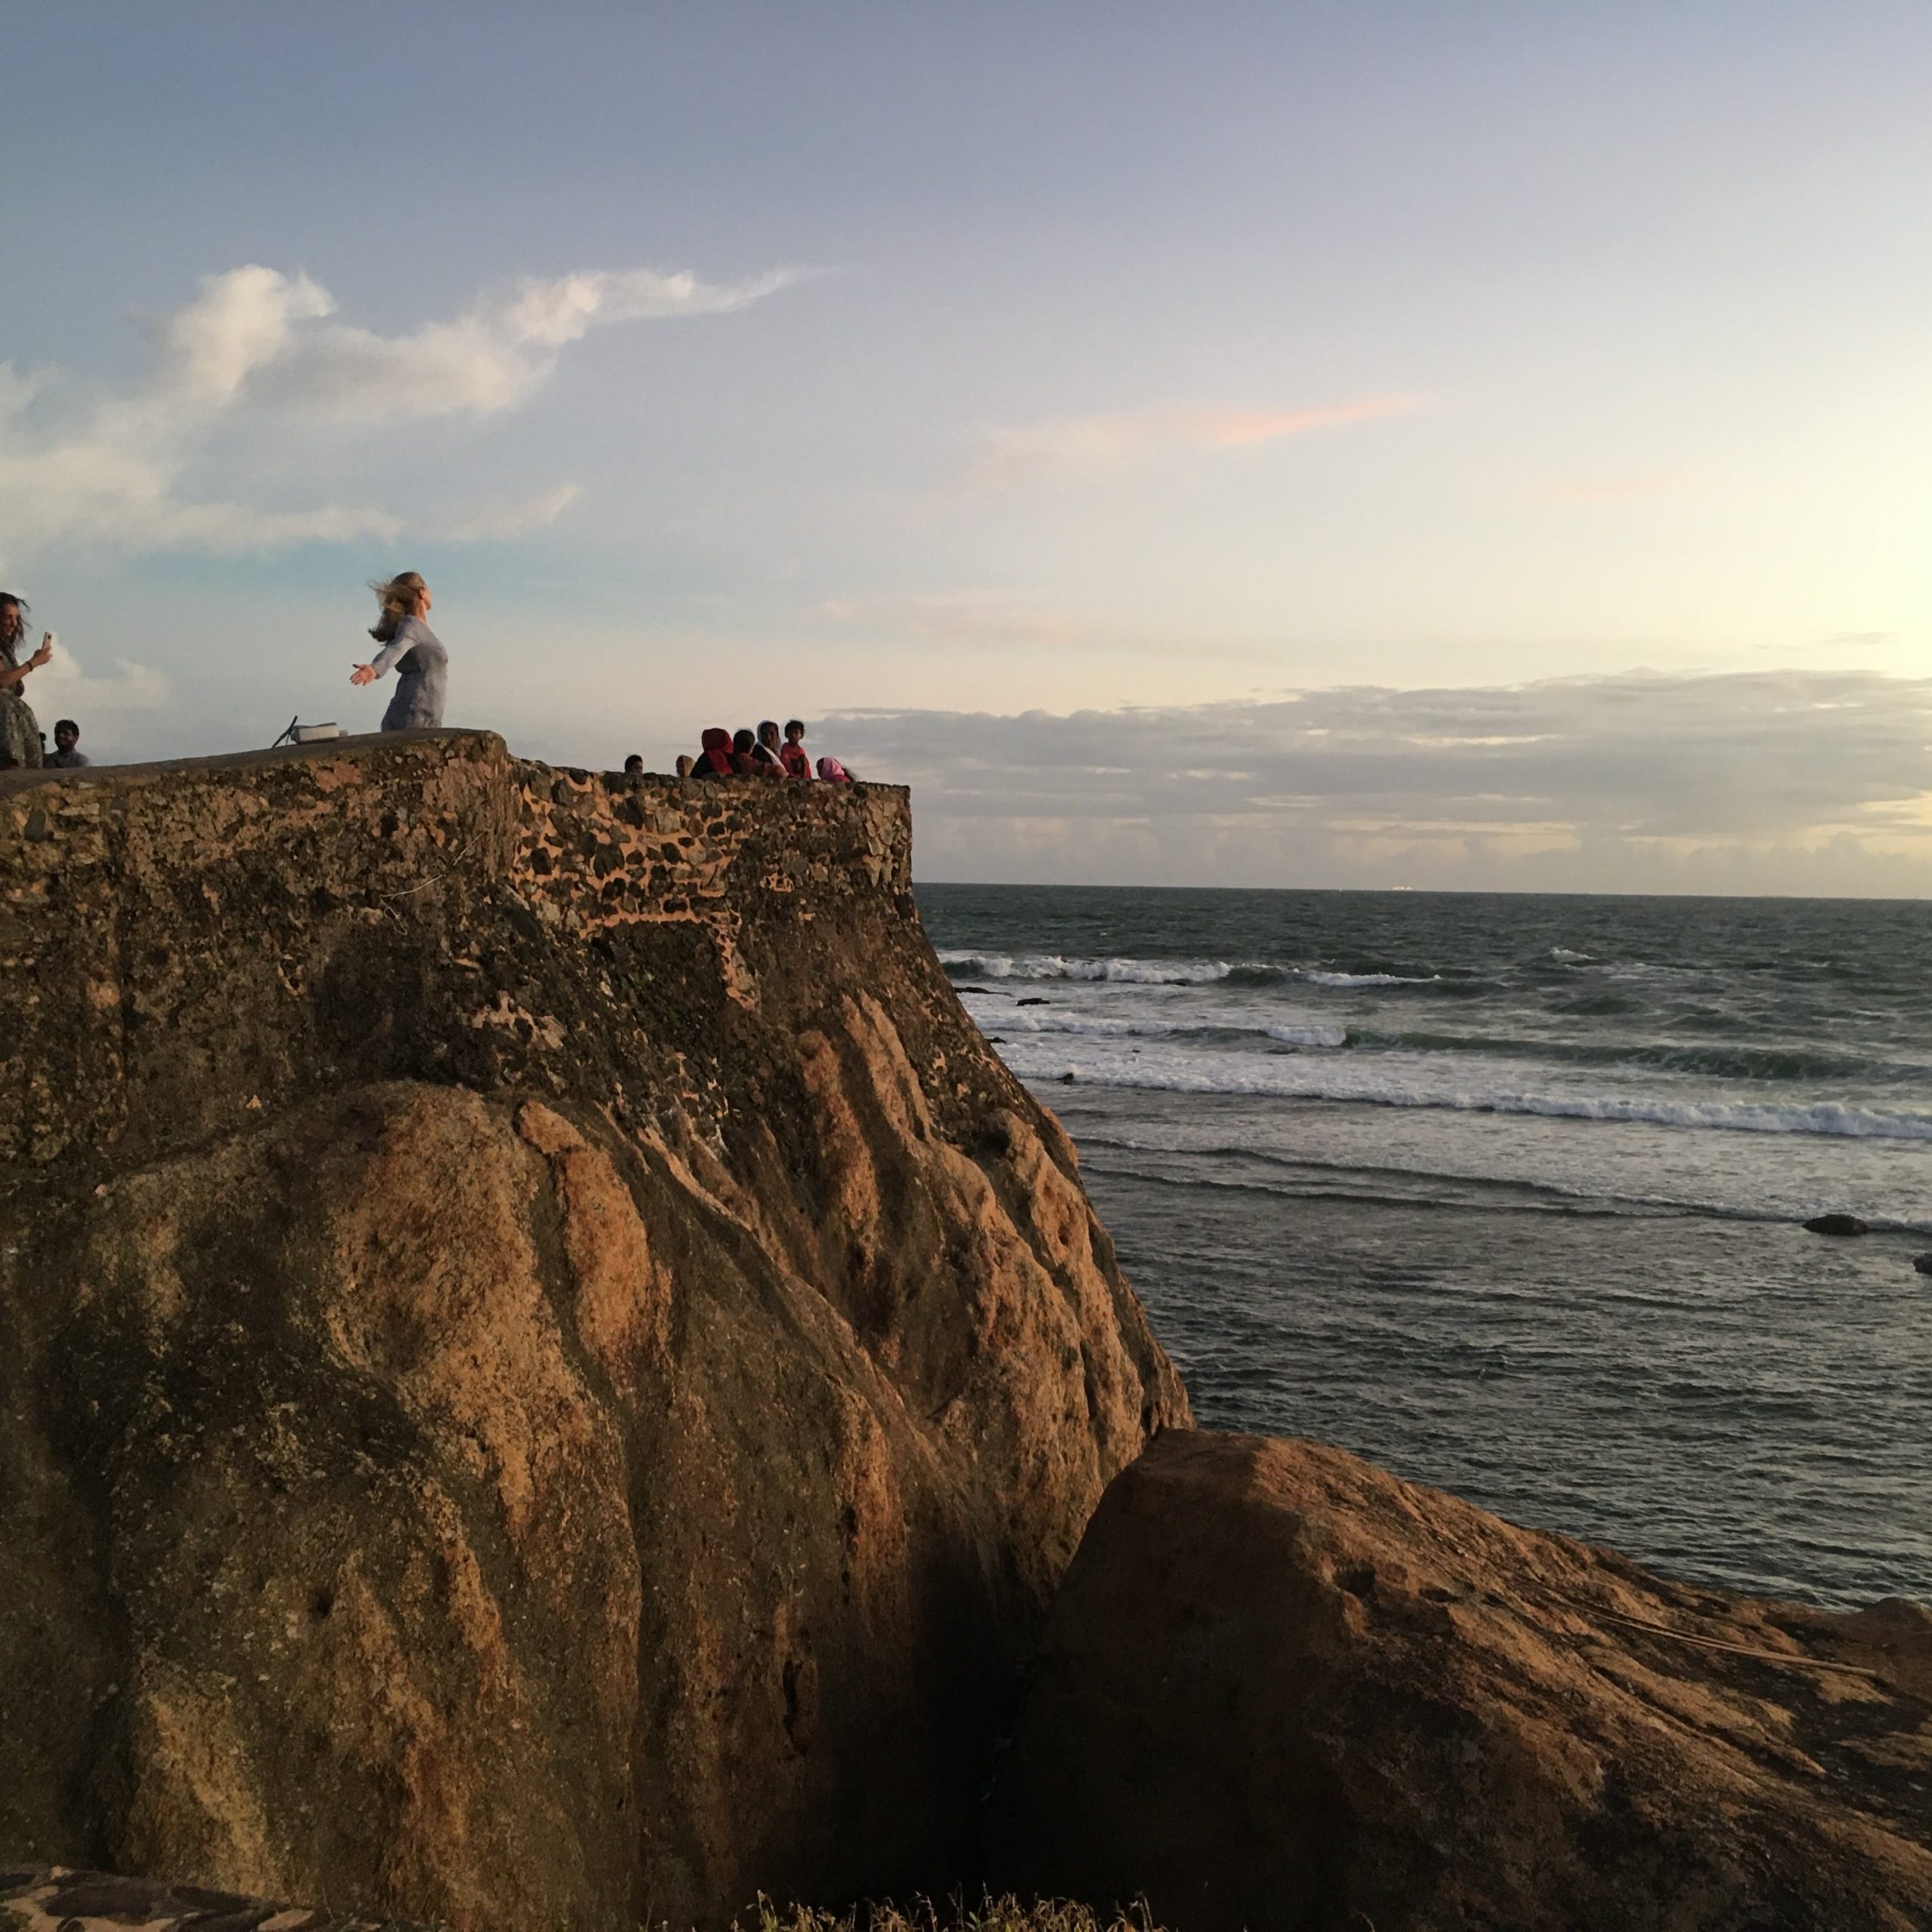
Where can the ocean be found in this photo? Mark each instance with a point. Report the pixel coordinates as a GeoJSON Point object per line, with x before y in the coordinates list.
{"type": "Point", "coordinates": [1505, 1191]}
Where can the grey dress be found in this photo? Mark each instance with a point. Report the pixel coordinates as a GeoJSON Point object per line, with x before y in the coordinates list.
{"type": "Point", "coordinates": [422, 672]}
{"type": "Point", "coordinates": [20, 730]}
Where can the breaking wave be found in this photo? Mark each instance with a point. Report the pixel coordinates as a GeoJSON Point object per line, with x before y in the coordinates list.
{"type": "Point", "coordinates": [1163, 972]}
{"type": "Point", "coordinates": [1200, 1026]}
{"type": "Point", "coordinates": [1293, 1077]}
{"type": "Point", "coordinates": [1733, 1063]}
{"type": "Point", "coordinates": [1058, 966]}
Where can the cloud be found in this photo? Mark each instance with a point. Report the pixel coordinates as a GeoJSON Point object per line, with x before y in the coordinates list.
{"type": "Point", "coordinates": [1012, 458]}
{"type": "Point", "coordinates": [1807, 781]}
{"type": "Point", "coordinates": [258, 348]}
{"type": "Point", "coordinates": [497, 522]}
{"type": "Point", "coordinates": [496, 353]}
{"type": "Point", "coordinates": [206, 350]}
{"type": "Point", "coordinates": [62, 687]}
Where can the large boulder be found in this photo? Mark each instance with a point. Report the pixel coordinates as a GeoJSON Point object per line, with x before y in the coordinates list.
{"type": "Point", "coordinates": [547, 1377]}
{"type": "Point", "coordinates": [1282, 1690]}
{"type": "Point", "coordinates": [1842, 1225]}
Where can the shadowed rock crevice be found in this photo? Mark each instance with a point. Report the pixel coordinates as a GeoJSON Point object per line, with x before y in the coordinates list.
{"type": "Point", "coordinates": [549, 1373]}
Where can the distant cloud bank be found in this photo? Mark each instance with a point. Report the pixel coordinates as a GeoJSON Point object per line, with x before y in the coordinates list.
{"type": "Point", "coordinates": [1800, 781]}
{"type": "Point", "coordinates": [1067, 446]}
{"type": "Point", "coordinates": [260, 350]}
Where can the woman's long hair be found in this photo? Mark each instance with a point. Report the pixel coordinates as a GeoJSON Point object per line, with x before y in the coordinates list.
{"type": "Point", "coordinates": [17, 634]}
{"type": "Point", "coordinates": [397, 597]}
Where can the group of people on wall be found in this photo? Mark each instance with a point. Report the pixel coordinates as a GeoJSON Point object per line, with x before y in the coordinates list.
{"type": "Point", "coordinates": [761, 754]}
{"type": "Point", "coordinates": [411, 649]}
{"type": "Point", "coordinates": [416, 654]}
{"type": "Point", "coordinates": [22, 742]}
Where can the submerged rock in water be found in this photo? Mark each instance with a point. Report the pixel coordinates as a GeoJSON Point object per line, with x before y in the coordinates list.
{"type": "Point", "coordinates": [1835, 1224]}
{"type": "Point", "coordinates": [1283, 1691]}
{"type": "Point", "coordinates": [1923, 1262]}
{"type": "Point", "coordinates": [547, 1375]}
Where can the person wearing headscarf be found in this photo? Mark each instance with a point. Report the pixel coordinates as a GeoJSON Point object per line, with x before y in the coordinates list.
{"type": "Point", "coordinates": [413, 649]}
{"type": "Point", "coordinates": [833, 773]}
{"type": "Point", "coordinates": [715, 760]}
{"type": "Point", "coordinates": [768, 751]}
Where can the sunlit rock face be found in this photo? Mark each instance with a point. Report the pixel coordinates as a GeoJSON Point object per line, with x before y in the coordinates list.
{"type": "Point", "coordinates": [1281, 1690]}
{"type": "Point", "coordinates": [547, 1375]}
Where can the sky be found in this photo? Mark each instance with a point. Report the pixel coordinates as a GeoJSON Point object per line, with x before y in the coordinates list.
{"type": "Point", "coordinates": [1443, 445]}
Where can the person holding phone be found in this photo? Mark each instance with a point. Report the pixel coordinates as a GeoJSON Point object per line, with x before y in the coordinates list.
{"type": "Point", "coordinates": [420, 662]}
{"type": "Point", "coordinates": [20, 730]}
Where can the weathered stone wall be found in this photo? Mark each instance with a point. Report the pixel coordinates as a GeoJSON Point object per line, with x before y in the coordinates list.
{"type": "Point", "coordinates": [547, 1375]}
{"type": "Point", "coordinates": [596, 852]}
{"type": "Point", "coordinates": [152, 918]}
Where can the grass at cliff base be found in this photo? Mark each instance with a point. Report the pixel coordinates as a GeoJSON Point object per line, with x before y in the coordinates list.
{"type": "Point", "coordinates": [1005, 1914]}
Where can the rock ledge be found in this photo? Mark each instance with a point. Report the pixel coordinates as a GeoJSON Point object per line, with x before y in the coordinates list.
{"type": "Point", "coordinates": [1282, 1690]}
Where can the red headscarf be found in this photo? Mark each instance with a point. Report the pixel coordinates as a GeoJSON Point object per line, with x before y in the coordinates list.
{"type": "Point", "coordinates": [717, 754]}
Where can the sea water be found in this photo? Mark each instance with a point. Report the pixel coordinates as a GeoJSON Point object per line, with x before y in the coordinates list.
{"type": "Point", "coordinates": [1506, 1192]}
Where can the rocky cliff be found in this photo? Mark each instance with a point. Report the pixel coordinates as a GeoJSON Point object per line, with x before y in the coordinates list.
{"type": "Point", "coordinates": [546, 1374]}
{"type": "Point", "coordinates": [1281, 1690]}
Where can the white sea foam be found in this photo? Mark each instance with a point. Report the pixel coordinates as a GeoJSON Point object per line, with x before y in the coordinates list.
{"type": "Point", "coordinates": [1008, 1022]}
{"type": "Point", "coordinates": [1380, 1084]}
{"type": "Point", "coordinates": [1059, 966]}
{"type": "Point", "coordinates": [1368, 979]}
{"type": "Point", "coordinates": [1162, 972]}
{"type": "Point", "coordinates": [1563, 956]}
{"type": "Point", "coordinates": [1098, 1027]}
{"type": "Point", "coordinates": [1310, 1033]}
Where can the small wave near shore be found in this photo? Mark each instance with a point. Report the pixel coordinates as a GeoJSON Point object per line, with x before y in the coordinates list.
{"type": "Point", "coordinates": [965, 965]}
{"type": "Point", "coordinates": [1301, 1079]}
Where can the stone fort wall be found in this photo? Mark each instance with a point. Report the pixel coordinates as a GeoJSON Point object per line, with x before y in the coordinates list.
{"type": "Point", "coordinates": [145, 909]}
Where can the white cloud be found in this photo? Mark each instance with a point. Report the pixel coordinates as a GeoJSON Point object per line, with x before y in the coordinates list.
{"type": "Point", "coordinates": [494, 521]}
{"type": "Point", "coordinates": [107, 470]}
{"type": "Point", "coordinates": [496, 353]}
{"type": "Point", "coordinates": [258, 346]}
{"type": "Point", "coordinates": [1796, 781]}
{"type": "Point", "coordinates": [63, 687]}
{"type": "Point", "coordinates": [241, 322]}
{"type": "Point", "coordinates": [1009, 457]}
